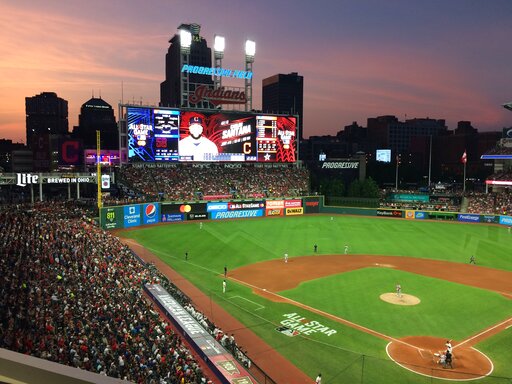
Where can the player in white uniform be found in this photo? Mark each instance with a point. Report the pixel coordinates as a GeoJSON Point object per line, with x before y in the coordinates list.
{"type": "Point", "coordinates": [195, 144]}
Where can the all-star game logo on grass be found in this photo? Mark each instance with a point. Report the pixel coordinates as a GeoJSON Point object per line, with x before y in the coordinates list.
{"type": "Point", "coordinates": [294, 325]}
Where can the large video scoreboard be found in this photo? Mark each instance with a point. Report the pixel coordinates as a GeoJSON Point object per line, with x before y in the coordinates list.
{"type": "Point", "coordinates": [172, 135]}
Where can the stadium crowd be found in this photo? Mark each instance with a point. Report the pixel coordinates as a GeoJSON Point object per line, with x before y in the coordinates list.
{"type": "Point", "coordinates": [185, 182]}
{"type": "Point", "coordinates": [490, 203]}
{"type": "Point", "coordinates": [72, 293]}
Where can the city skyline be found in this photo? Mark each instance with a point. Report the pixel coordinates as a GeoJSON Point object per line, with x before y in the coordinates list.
{"type": "Point", "coordinates": [441, 59]}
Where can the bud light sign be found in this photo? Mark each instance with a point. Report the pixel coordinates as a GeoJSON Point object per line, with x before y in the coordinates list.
{"type": "Point", "coordinates": [151, 213]}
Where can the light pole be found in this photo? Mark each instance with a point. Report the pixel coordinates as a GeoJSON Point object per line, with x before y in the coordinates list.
{"type": "Point", "coordinates": [219, 44]}
{"type": "Point", "coordinates": [250, 50]}
{"type": "Point", "coordinates": [185, 43]}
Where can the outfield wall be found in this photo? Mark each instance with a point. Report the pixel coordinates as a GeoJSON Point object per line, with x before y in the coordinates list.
{"type": "Point", "coordinates": [135, 215]}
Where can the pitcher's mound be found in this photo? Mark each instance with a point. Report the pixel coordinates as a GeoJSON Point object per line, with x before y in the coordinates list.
{"type": "Point", "coordinates": [404, 299]}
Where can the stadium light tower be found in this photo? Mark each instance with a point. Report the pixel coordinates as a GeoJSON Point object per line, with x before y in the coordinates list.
{"type": "Point", "coordinates": [219, 44]}
{"type": "Point", "coordinates": [185, 43]}
{"type": "Point", "coordinates": [250, 50]}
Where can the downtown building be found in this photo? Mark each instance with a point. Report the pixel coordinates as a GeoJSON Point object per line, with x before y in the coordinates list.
{"type": "Point", "coordinates": [284, 94]}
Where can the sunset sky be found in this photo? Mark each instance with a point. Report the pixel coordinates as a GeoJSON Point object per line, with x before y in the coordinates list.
{"type": "Point", "coordinates": [443, 59]}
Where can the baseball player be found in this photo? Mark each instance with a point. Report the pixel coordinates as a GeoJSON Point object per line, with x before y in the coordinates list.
{"type": "Point", "coordinates": [472, 260]}
{"type": "Point", "coordinates": [346, 249]}
{"type": "Point", "coordinates": [224, 284]}
{"type": "Point", "coordinates": [285, 257]}
{"type": "Point", "coordinates": [195, 145]}
{"type": "Point", "coordinates": [399, 290]}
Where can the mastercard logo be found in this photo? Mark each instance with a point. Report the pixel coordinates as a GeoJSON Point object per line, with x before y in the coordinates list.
{"type": "Point", "coordinates": [185, 208]}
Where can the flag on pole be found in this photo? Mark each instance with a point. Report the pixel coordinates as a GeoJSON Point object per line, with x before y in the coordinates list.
{"type": "Point", "coordinates": [464, 158]}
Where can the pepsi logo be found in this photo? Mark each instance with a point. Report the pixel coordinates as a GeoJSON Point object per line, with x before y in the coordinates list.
{"type": "Point", "coordinates": [150, 210]}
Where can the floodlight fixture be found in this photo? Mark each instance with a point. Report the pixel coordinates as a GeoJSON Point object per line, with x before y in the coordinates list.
{"type": "Point", "coordinates": [219, 43]}
{"type": "Point", "coordinates": [185, 38]}
{"type": "Point", "coordinates": [250, 48]}
{"type": "Point", "coordinates": [508, 106]}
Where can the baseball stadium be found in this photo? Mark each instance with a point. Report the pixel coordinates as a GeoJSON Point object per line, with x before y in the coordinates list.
{"type": "Point", "coordinates": [200, 247]}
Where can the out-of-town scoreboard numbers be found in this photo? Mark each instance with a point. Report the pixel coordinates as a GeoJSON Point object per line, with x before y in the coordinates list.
{"type": "Point", "coordinates": [172, 135]}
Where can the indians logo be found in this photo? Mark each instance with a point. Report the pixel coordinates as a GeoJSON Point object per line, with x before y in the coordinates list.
{"type": "Point", "coordinates": [150, 211]}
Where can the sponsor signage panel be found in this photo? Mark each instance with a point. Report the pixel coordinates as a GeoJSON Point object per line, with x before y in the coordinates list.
{"type": "Point", "coordinates": [490, 218]}
{"type": "Point", "coordinates": [506, 220]}
{"type": "Point", "coordinates": [184, 208]}
{"type": "Point", "coordinates": [246, 205]}
{"type": "Point", "coordinates": [216, 207]}
{"type": "Point", "coordinates": [132, 215]}
{"type": "Point", "coordinates": [420, 215]}
{"type": "Point", "coordinates": [275, 212]}
{"type": "Point", "coordinates": [389, 212]}
{"type": "Point", "coordinates": [292, 203]}
{"type": "Point", "coordinates": [197, 216]}
{"type": "Point", "coordinates": [468, 218]}
{"type": "Point", "coordinates": [172, 217]}
{"type": "Point", "coordinates": [151, 213]}
{"type": "Point", "coordinates": [242, 214]}
{"type": "Point", "coordinates": [294, 211]}
{"type": "Point", "coordinates": [274, 204]}
{"type": "Point", "coordinates": [409, 214]}
{"type": "Point", "coordinates": [340, 165]}
{"type": "Point", "coordinates": [312, 204]}
{"type": "Point", "coordinates": [112, 217]}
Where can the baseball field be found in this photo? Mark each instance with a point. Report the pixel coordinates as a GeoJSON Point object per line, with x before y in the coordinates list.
{"type": "Point", "coordinates": [339, 314]}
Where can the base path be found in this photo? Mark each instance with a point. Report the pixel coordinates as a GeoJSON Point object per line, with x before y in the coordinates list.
{"type": "Point", "coordinates": [415, 353]}
{"type": "Point", "coordinates": [268, 359]}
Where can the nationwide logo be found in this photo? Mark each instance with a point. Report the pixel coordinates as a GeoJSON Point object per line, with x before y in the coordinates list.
{"type": "Point", "coordinates": [294, 324]}
{"type": "Point", "coordinates": [217, 96]}
{"type": "Point", "coordinates": [150, 211]}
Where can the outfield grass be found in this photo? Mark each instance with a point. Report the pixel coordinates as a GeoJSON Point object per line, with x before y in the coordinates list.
{"type": "Point", "coordinates": [353, 295]}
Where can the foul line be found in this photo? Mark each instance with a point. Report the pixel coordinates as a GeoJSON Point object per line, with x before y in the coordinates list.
{"type": "Point", "coordinates": [482, 333]}
{"type": "Point", "coordinates": [339, 319]}
{"type": "Point", "coordinates": [250, 301]}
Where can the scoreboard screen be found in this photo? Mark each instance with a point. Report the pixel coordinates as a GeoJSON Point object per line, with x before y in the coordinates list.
{"type": "Point", "coordinates": [172, 135]}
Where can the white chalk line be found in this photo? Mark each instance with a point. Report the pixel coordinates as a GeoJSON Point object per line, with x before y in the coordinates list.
{"type": "Point", "coordinates": [250, 301]}
{"type": "Point", "coordinates": [483, 332]}
{"type": "Point", "coordinates": [326, 314]}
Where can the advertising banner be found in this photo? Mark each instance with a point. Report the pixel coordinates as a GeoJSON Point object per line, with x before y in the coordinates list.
{"type": "Point", "coordinates": [294, 211]}
{"type": "Point", "coordinates": [464, 217]}
{"type": "Point", "coordinates": [71, 152]}
{"type": "Point", "coordinates": [233, 206]}
{"type": "Point", "coordinates": [197, 216]}
{"type": "Point", "coordinates": [489, 219]}
{"type": "Point", "coordinates": [389, 213]}
{"type": "Point", "coordinates": [151, 213]}
{"type": "Point", "coordinates": [132, 215]}
{"type": "Point", "coordinates": [237, 214]}
{"type": "Point", "coordinates": [293, 203]}
{"type": "Point", "coordinates": [420, 215]}
{"type": "Point", "coordinates": [184, 208]}
{"type": "Point", "coordinates": [409, 214]}
{"type": "Point", "coordinates": [274, 212]}
{"type": "Point", "coordinates": [312, 204]}
{"type": "Point", "coordinates": [506, 220]}
{"type": "Point", "coordinates": [172, 217]}
{"type": "Point", "coordinates": [215, 207]}
{"type": "Point", "coordinates": [274, 204]}
{"type": "Point", "coordinates": [112, 217]}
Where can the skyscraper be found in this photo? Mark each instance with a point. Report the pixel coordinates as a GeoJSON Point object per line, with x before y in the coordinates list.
{"type": "Point", "coordinates": [200, 55]}
{"type": "Point", "coordinates": [46, 113]}
{"type": "Point", "coordinates": [284, 94]}
{"type": "Point", "coordinates": [97, 115]}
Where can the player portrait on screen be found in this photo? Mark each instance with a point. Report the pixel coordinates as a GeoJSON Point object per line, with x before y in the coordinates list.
{"type": "Point", "coordinates": [195, 146]}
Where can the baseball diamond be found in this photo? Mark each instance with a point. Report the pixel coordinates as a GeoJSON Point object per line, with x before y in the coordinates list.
{"type": "Point", "coordinates": [326, 309]}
